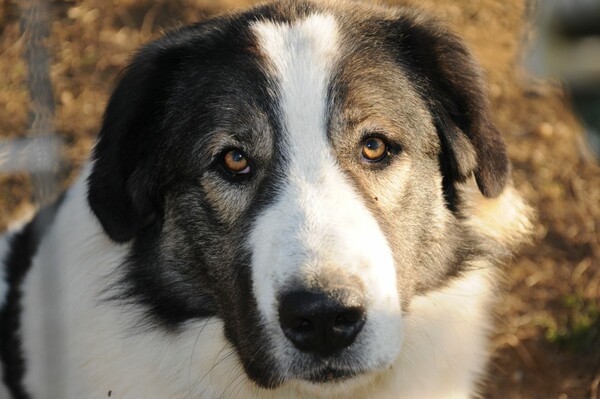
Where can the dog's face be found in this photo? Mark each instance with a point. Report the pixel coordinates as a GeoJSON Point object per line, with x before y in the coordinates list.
{"type": "Point", "coordinates": [293, 171]}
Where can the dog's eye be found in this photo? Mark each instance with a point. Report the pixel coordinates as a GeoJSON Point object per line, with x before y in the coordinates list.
{"type": "Point", "coordinates": [236, 162]}
{"type": "Point", "coordinates": [374, 149]}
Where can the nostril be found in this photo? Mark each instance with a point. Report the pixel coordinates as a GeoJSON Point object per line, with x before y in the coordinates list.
{"type": "Point", "coordinates": [301, 325]}
{"type": "Point", "coordinates": [348, 318]}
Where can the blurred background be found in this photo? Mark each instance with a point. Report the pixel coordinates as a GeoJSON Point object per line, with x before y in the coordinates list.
{"type": "Point", "coordinates": [547, 340]}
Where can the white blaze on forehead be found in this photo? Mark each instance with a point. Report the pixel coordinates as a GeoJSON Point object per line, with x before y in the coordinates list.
{"type": "Point", "coordinates": [302, 56]}
{"type": "Point", "coordinates": [318, 223]}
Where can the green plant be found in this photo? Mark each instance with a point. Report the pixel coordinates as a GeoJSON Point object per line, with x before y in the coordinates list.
{"type": "Point", "coordinates": [577, 326]}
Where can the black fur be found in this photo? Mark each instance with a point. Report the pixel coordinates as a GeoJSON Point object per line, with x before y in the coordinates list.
{"type": "Point", "coordinates": [150, 163]}
{"type": "Point", "coordinates": [23, 247]}
{"type": "Point", "coordinates": [132, 170]}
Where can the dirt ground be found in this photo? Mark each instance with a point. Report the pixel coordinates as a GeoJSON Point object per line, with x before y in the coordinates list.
{"type": "Point", "coordinates": [547, 341]}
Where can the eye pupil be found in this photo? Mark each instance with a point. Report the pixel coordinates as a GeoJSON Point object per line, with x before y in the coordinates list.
{"type": "Point", "coordinates": [373, 144]}
{"type": "Point", "coordinates": [237, 156]}
{"type": "Point", "coordinates": [374, 149]}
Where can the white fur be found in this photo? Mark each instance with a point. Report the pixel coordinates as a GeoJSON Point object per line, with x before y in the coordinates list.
{"type": "Point", "coordinates": [318, 223]}
{"type": "Point", "coordinates": [3, 284]}
{"type": "Point", "coordinates": [446, 339]}
{"type": "Point", "coordinates": [13, 228]}
{"type": "Point", "coordinates": [4, 392]}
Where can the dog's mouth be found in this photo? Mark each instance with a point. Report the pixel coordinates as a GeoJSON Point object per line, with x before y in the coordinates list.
{"type": "Point", "coordinates": [309, 373]}
{"type": "Point", "coordinates": [332, 379]}
{"type": "Point", "coordinates": [330, 375]}
{"type": "Point", "coordinates": [332, 372]}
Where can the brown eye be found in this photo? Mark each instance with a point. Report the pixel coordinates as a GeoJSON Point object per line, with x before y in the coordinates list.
{"type": "Point", "coordinates": [236, 162]}
{"type": "Point", "coordinates": [374, 149]}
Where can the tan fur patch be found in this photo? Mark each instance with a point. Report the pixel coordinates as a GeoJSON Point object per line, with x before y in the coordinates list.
{"type": "Point", "coordinates": [506, 219]}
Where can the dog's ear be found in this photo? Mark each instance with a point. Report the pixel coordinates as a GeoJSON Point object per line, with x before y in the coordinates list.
{"type": "Point", "coordinates": [123, 184]}
{"type": "Point", "coordinates": [451, 83]}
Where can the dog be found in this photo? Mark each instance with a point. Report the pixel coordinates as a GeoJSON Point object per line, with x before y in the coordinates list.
{"type": "Point", "coordinates": [305, 199]}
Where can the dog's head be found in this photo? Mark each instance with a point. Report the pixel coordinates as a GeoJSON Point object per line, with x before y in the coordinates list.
{"type": "Point", "coordinates": [293, 171]}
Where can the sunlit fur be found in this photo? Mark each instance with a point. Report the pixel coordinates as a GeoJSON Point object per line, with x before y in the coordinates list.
{"type": "Point", "coordinates": [319, 225]}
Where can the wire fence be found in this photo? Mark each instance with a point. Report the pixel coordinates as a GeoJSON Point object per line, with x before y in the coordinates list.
{"type": "Point", "coordinates": [39, 155]}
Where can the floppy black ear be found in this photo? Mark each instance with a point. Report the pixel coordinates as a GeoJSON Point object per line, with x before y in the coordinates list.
{"type": "Point", "coordinates": [452, 85]}
{"type": "Point", "coordinates": [122, 187]}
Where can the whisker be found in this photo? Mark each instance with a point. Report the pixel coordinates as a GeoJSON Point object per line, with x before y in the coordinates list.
{"type": "Point", "coordinates": [192, 356]}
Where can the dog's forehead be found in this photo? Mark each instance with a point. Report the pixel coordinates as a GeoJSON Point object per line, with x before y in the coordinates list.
{"type": "Point", "coordinates": [335, 73]}
{"type": "Point", "coordinates": [300, 57]}
{"type": "Point", "coordinates": [311, 74]}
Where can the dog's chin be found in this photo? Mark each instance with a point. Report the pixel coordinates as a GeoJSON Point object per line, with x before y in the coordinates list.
{"type": "Point", "coordinates": [330, 375]}
{"type": "Point", "coordinates": [325, 376]}
{"type": "Point", "coordinates": [323, 380]}
{"type": "Point", "coordinates": [327, 381]}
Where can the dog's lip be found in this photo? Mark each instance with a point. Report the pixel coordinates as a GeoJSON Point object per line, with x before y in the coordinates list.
{"type": "Point", "coordinates": [332, 375]}
{"type": "Point", "coordinates": [336, 370]}
{"type": "Point", "coordinates": [328, 374]}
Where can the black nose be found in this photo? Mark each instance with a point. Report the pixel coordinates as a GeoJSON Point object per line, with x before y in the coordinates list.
{"type": "Point", "coordinates": [322, 322]}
